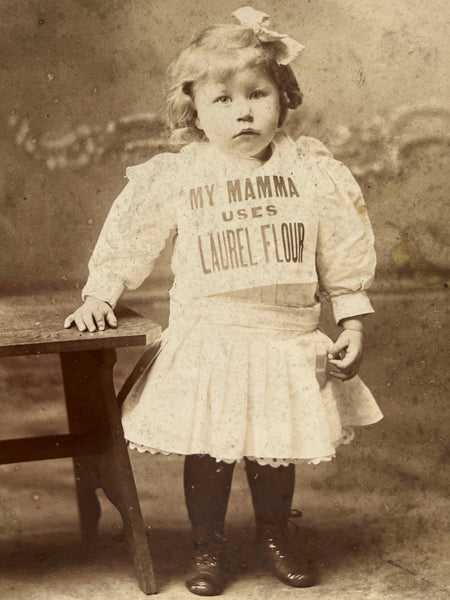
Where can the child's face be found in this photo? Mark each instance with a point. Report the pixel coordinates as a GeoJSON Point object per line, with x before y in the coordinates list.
{"type": "Point", "coordinates": [240, 114]}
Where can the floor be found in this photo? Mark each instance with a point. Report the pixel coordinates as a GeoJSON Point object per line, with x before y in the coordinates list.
{"type": "Point", "coordinates": [375, 521]}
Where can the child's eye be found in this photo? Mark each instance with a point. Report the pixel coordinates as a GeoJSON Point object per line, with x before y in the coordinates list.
{"type": "Point", "coordinates": [223, 99]}
{"type": "Point", "coordinates": [257, 94]}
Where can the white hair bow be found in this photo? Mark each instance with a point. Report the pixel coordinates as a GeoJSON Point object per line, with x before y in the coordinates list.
{"type": "Point", "coordinates": [259, 21]}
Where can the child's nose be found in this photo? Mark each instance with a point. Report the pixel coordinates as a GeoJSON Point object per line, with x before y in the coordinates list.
{"type": "Point", "coordinates": [243, 110]}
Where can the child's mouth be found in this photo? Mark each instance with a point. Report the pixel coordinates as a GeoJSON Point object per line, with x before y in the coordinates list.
{"type": "Point", "coordinates": [245, 132]}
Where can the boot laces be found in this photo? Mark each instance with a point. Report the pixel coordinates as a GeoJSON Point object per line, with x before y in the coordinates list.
{"type": "Point", "coordinates": [208, 552]}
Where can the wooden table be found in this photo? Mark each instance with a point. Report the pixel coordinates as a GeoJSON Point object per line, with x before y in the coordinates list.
{"type": "Point", "coordinates": [34, 325]}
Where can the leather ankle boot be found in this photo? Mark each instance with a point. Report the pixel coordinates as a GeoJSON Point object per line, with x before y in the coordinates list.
{"type": "Point", "coordinates": [281, 558]}
{"type": "Point", "coordinates": [206, 577]}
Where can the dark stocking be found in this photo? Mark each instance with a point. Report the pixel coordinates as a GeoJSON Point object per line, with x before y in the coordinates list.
{"type": "Point", "coordinates": [272, 491]}
{"type": "Point", "coordinates": [207, 485]}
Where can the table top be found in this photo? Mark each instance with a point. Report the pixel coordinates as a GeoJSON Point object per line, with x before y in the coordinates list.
{"type": "Point", "coordinates": [33, 324]}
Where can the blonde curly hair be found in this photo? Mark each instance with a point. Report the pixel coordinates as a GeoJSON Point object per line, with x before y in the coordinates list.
{"type": "Point", "coordinates": [217, 52]}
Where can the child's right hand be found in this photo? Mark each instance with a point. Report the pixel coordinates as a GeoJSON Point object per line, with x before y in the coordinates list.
{"type": "Point", "coordinates": [92, 314]}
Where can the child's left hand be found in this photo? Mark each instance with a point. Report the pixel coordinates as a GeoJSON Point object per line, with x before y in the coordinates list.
{"type": "Point", "coordinates": [345, 356]}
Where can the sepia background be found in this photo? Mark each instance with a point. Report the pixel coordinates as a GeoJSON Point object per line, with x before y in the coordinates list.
{"type": "Point", "coordinates": [82, 98]}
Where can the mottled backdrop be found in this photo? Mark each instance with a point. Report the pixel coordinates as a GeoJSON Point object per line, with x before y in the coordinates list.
{"type": "Point", "coordinates": [82, 98]}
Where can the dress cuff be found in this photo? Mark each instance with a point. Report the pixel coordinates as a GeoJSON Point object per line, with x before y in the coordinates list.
{"type": "Point", "coordinates": [351, 305]}
{"type": "Point", "coordinates": [108, 291]}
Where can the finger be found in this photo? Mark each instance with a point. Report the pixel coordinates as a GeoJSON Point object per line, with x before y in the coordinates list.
{"type": "Point", "coordinates": [89, 320]}
{"type": "Point", "coordinates": [352, 370]}
{"type": "Point", "coordinates": [349, 376]}
{"type": "Point", "coordinates": [347, 361]}
{"type": "Point", "coordinates": [337, 347]}
{"type": "Point", "coordinates": [337, 362]}
{"type": "Point", "coordinates": [344, 375]}
{"type": "Point", "coordinates": [80, 323]}
{"type": "Point", "coordinates": [100, 320]}
{"type": "Point", "coordinates": [337, 375]}
{"type": "Point", "coordinates": [68, 321]}
{"type": "Point", "coordinates": [111, 318]}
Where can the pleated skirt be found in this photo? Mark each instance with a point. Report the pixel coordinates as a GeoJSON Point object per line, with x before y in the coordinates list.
{"type": "Point", "coordinates": [236, 378]}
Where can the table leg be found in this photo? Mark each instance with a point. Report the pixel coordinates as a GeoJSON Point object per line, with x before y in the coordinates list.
{"type": "Point", "coordinates": [91, 406]}
{"type": "Point", "coordinates": [86, 482]}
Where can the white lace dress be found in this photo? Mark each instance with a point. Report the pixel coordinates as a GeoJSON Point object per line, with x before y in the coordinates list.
{"type": "Point", "coordinates": [242, 368]}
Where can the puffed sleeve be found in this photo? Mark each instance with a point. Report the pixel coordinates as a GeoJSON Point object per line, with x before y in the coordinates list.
{"type": "Point", "coordinates": [345, 255]}
{"type": "Point", "coordinates": [134, 232]}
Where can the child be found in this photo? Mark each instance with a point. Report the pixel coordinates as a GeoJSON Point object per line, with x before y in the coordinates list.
{"type": "Point", "coordinates": [262, 223]}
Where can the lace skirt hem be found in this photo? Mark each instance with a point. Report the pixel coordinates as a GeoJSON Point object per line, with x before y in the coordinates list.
{"type": "Point", "coordinates": [347, 437]}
